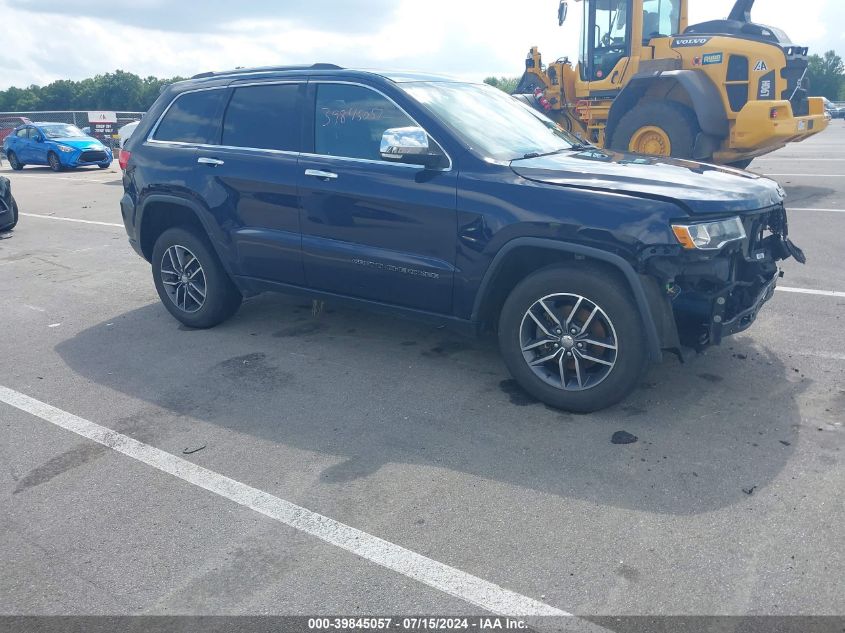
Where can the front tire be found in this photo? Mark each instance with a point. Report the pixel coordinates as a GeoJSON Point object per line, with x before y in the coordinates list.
{"type": "Point", "coordinates": [104, 165]}
{"type": "Point", "coordinates": [657, 128]}
{"type": "Point", "coordinates": [54, 161]}
{"type": "Point", "coordinates": [572, 337]}
{"type": "Point", "coordinates": [14, 163]}
{"type": "Point", "coordinates": [190, 280]}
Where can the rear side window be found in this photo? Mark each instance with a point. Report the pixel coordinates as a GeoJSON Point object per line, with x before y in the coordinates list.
{"type": "Point", "coordinates": [23, 133]}
{"type": "Point", "coordinates": [192, 118]}
{"type": "Point", "coordinates": [350, 121]}
{"type": "Point", "coordinates": [263, 117]}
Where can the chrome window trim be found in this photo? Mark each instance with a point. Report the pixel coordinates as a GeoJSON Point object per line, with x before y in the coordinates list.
{"type": "Point", "coordinates": [227, 147]}
{"type": "Point", "coordinates": [180, 144]}
{"type": "Point", "coordinates": [368, 160]}
{"type": "Point", "coordinates": [398, 107]}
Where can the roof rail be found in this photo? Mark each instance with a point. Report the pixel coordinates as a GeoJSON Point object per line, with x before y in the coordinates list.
{"type": "Point", "coordinates": [264, 69]}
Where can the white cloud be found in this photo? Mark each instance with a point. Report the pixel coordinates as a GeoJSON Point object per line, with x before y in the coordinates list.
{"type": "Point", "coordinates": [467, 38]}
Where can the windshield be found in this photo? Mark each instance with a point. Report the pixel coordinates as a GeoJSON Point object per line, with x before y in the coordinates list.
{"type": "Point", "coordinates": [61, 130]}
{"type": "Point", "coordinates": [491, 122]}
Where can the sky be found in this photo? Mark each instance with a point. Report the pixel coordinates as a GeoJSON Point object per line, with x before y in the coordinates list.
{"type": "Point", "coordinates": [45, 40]}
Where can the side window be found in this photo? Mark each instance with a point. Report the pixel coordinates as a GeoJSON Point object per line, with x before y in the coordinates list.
{"type": "Point", "coordinates": [192, 118]}
{"type": "Point", "coordinates": [23, 133]}
{"type": "Point", "coordinates": [350, 121]}
{"type": "Point", "coordinates": [263, 117]}
{"type": "Point", "coordinates": [660, 17]}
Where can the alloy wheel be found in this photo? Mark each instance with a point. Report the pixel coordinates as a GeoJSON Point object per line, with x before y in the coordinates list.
{"type": "Point", "coordinates": [569, 342]}
{"type": "Point", "coordinates": [183, 278]}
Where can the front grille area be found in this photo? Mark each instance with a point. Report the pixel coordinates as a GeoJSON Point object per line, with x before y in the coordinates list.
{"type": "Point", "coordinates": [93, 157]}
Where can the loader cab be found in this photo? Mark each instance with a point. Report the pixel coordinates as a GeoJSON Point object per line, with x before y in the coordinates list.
{"type": "Point", "coordinates": [613, 31]}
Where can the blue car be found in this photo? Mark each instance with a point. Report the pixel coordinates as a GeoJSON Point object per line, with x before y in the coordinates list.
{"type": "Point", "coordinates": [59, 145]}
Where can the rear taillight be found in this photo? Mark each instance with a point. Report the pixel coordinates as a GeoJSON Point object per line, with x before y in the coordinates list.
{"type": "Point", "coordinates": [123, 158]}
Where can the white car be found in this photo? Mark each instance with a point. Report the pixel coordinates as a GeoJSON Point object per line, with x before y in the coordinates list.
{"type": "Point", "coordinates": [126, 131]}
{"type": "Point", "coordinates": [123, 135]}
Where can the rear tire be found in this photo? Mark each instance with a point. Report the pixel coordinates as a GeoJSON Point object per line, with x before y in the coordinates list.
{"type": "Point", "coordinates": [190, 280]}
{"type": "Point", "coordinates": [677, 122]}
{"type": "Point", "coordinates": [104, 165]}
{"type": "Point", "coordinates": [14, 163]}
{"type": "Point", "coordinates": [553, 293]}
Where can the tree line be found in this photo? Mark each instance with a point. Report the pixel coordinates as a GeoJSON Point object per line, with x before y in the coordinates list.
{"type": "Point", "coordinates": [826, 76]}
{"type": "Point", "coordinates": [117, 91]}
{"type": "Point", "coordinates": [128, 92]}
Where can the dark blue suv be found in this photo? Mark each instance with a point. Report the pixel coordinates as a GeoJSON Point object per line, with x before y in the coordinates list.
{"type": "Point", "coordinates": [449, 201]}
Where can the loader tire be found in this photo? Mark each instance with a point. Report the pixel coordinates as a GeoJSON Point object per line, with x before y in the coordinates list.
{"type": "Point", "coordinates": [661, 128]}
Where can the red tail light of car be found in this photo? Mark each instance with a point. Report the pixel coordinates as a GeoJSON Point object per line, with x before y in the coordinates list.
{"type": "Point", "coordinates": [123, 158]}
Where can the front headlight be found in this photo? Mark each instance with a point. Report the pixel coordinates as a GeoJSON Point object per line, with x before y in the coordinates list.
{"type": "Point", "coordinates": [65, 148]}
{"type": "Point", "coordinates": [709, 236]}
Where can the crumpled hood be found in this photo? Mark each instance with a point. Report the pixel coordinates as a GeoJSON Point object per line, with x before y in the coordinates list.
{"type": "Point", "coordinates": [700, 188]}
{"type": "Point", "coordinates": [81, 143]}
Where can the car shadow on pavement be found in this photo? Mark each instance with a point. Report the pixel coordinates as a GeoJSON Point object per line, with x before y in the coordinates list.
{"type": "Point", "coordinates": [369, 390]}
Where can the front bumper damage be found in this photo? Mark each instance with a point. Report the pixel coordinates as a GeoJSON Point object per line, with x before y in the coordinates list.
{"type": "Point", "coordinates": [716, 295]}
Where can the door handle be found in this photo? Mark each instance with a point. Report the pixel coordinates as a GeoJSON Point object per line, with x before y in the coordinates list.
{"type": "Point", "coordinates": [324, 175]}
{"type": "Point", "coordinates": [211, 162]}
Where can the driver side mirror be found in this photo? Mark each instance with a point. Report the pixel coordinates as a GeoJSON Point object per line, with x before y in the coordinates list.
{"type": "Point", "coordinates": [409, 145]}
{"type": "Point", "coordinates": [39, 139]}
{"type": "Point", "coordinates": [562, 12]}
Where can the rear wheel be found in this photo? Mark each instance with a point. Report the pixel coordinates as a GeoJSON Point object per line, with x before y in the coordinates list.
{"type": "Point", "coordinates": [104, 165]}
{"type": "Point", "coordinates": [657, 128]}
{"type": "Point", "coordinates": [54, 162]}
{"type": "Point", "coordinates": [14, 163]}
{"type": "Point", "coordinates": [190, 280]}
{"type": "Point", "coordinates": [572, 337]}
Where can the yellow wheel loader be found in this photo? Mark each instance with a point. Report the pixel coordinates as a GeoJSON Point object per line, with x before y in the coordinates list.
{"type": "Point", "coordinates": [646, 81]}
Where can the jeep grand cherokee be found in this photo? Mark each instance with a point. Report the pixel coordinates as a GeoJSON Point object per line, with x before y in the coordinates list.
{"type": "Point", "coordinates": [451, 201]}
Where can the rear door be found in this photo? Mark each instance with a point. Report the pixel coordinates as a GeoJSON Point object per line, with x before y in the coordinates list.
{"type": "Point", "coordinates": [251, 177]}
{"type": "Point", "coordinates": [373, 229]}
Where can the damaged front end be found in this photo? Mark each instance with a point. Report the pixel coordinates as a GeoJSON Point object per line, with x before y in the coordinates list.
{"type": "Point", "coordinates": [718, 290]}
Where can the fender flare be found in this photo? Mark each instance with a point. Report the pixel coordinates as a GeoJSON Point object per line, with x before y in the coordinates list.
{"type": "Point", "coordinates": [703, 93]}
{"type": "Point", "coordinates": [631, 276]}
{"type": "Point", "coordinates": [193, 207]}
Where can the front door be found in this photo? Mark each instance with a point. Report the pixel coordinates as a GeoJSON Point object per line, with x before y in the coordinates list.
{"type": "Point", "coordinates": [373, 229]}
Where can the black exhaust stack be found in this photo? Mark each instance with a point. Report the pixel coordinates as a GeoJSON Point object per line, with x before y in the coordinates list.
{"type": "Point", "coordinates": [742, 11]}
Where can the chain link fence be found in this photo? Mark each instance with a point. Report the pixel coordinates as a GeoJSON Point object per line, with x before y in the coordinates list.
{"type": "Point", "coordinates": [105, 132]}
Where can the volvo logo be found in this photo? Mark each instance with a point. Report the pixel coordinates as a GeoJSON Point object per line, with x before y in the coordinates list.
{"type": "Point", "coordinates": [689, 42]}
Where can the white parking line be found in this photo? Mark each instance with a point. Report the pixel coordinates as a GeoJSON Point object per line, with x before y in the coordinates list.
{"type": "Point", "coordinates": [807, 291]}
{"type": "Point", "coordinates": [442, 577]}
{"type": "Point", "coordinates": [802, 175]}
{"type": "Point", "coordinates": [828, 210]}
{"type": "Point", "coordinates": [801, 160]}
{"type": "Point", "coordinates": [53, 217]}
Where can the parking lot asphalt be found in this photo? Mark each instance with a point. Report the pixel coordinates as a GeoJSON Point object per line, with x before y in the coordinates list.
{"type": "Point", "coordinates": [730, 503]}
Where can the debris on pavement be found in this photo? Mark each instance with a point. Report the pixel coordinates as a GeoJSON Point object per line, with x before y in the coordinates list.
{"type": "Point", "coordinates": [623, 437]}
